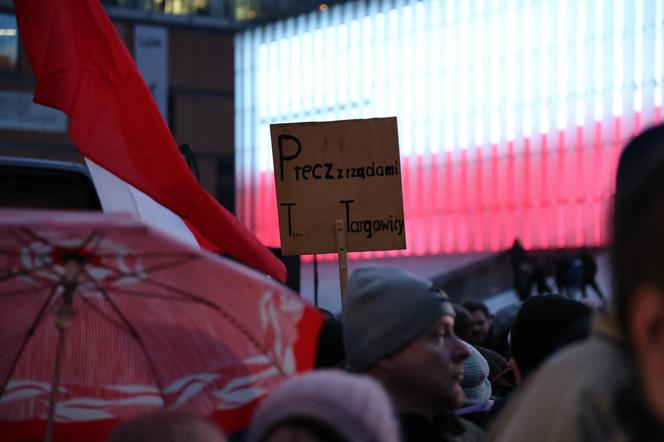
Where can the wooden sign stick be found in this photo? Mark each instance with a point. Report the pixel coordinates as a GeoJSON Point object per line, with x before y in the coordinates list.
{"type": "Point", "coordinates": [343, 256]}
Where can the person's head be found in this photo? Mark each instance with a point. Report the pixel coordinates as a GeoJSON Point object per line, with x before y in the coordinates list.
{"type": "Point", "coordinates": [331, 352]}
{"type": "Point", "coordinates": [482, 319]}
{"type": "Point", "coordinates": [166, 426]}
{"type": "Point", "coordinates": [544, 325]}
{"type": "Point", "coordinates": [400, 330]}
{"type": "Point", "coordinates": [476, 385]}
{"type": "Point", "coordinates": [638, 257]}
{"type": "Point", "coordinates": [463, 323]}
{"type": "Point", "coordinates": [325, 406]}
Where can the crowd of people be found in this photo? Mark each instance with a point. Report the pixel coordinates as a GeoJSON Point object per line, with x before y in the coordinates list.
{"type": "Point", "coordinates": [404, 363]}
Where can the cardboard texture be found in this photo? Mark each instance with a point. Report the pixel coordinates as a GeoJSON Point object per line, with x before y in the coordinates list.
{"type": "Point", "coordinates": [340, 170]}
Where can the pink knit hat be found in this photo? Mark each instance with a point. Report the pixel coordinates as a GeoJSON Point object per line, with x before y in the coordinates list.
{"type": "Point", "coordinates": [355, 406]}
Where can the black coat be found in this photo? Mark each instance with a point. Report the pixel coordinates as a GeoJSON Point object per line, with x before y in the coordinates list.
{"type": "Point", "coordinates": [444, 428]}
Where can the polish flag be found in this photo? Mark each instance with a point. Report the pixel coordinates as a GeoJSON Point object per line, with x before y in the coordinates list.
{"type": "Point", "coordinates": [84, 69]}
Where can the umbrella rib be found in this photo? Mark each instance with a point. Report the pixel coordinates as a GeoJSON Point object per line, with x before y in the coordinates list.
{"type": "Point", "coordinates": [18, 238]}
{"type": "Point", "coordinates": [36, 290]}
{"type": "Point", "coordinates": [211, 305]}
{"type": "Point", "coordinates": [7, 276]}
{"type": "Point", "coordinates": [35, 236]}
{"type": "Point", "coordinates": [27, 337]}
{"type": "Point", "coordinates": [38, 256]}
{"type": "Point", "coordinates": [167, 265]}
{"type": "Point", "coordinates": [225, 314]}
{"type": "Point", "coordinates": [144, 255]}
{"type": "Point", "coordinates": [102, 314]}
{"type": "Point", "coordinates": [132, 331]}
{"type": "Point", "coordinates": [182, 293]}
{"type": "Point", "coordinates": [93, 236]}
{"type": "Point", "coordinates": [119, 274]}
{"type": "Point", "coordinates": [152, 295]}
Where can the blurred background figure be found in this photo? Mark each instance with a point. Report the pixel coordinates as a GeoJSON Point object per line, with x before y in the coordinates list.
{"type": "Point", "coordinates": [574, 274]}
{"type": "Point", "coordinates": [500, 372]}
{"type": "Point", "coordinates": [483, 333]}
{"type": "Point", "coordinates": [325, 406]}
{"type": "Point", "coordinates": [522, 270]}
{"type": "Point", "coordinates": [166, 426]}
{"type": "Point", "coordinates": [590, 275]}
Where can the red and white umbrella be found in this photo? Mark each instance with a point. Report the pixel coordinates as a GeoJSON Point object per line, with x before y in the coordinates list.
{"type": "Point", "coordinates": [102, 318]}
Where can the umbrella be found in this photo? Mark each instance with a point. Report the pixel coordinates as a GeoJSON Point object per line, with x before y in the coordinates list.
{"type": "Point", "coordinates": [103, 318]}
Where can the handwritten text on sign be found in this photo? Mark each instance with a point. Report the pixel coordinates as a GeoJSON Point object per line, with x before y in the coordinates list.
{"type": "Point", "coordinates": [347, 170]}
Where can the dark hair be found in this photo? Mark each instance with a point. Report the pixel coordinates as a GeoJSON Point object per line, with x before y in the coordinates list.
{"type": "Point", "coordinates": [638, 219]}
{"type": "Point", "coordinates": [463, 323]}
{"type": "Point", "coordinates": [319, 431]}
{"type": "Point", "coordinates": [545, 324]}
{"type": "Point", "coordinates": [473, 306]}
{"type": "Point", "coordinates": [166, 426]}
{"type": "Point", "coordinates": [331, 352]}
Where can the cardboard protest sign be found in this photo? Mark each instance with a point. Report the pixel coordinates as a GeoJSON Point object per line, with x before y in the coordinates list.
{"type": "Point", "coordinates": [340, 170]}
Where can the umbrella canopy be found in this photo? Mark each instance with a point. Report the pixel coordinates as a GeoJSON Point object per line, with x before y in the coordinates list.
{"type": "Point", "coordinates": [102, 318]}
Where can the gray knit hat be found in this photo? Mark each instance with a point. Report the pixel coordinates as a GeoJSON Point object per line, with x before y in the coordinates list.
{"type": "Point", "coordinates": [385, 308]}
{"type": "Point", "coordinates": [476, 385]}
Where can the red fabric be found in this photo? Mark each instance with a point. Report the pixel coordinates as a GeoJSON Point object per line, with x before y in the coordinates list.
{"type": "Point", "coordinates": [84, 69]}
{"type": "Point", "coordinates": [155, 323]}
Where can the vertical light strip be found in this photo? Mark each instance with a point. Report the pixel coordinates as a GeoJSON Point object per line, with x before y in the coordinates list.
{"type": "Point", "coordinates": [478, 78]}
{"type": "Point", "coordinates": [403, 78]}
{"type": "Point", "coordinates": [598, 111]}
{"type": "Point", "coordinates": [544, 68]}
{"type": "Point", "coordinates": [393, 62]}
{"type": "Point", "coordinates": [353, 77]}
{"type": "Point", "coordinates": [580, 65]}
{"type": "Point", "coordinates": [562, 67]}
{"type": "Point", "coordinates": [659, 54]}
{"type": "Point", "coordinates": [496, 31]}
{"type": "Point", "coordinates": [462, 84]}
{"type": "Point", "coordinates": [618, 67]}
{"type": "Point", "coordinates": [307, 63]}
{"type": "Point", "coordinates": [450, 73]}
{"type": "Point", "coordinates": [381, 52]}
{"type": "Point", "coordinates": [286, 67]}
{"type": "Point", "coordinates": [435, 79]}
{"type": "Point", "coordinates": [367, 60]}
{"type": "Point", "coordinates": [329, 84]}
{"type": "Point", "coordinates": [511, 74]}
{"type": "Point", "coordinates": [524, 215]}
{"type": "Point", "coordinates": [319, 78]}
{"type": "Point", "coordinates": [421, 59]}
{"type": "Point", "coordinates": [528, 42]}
{"type": "Point", "coordinates": [638, 56]}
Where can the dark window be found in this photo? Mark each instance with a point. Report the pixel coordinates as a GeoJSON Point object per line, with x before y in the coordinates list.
{"type": "Point", "coordinates": [8, 42]}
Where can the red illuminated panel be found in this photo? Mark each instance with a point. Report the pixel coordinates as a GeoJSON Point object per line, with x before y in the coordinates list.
{"type": "Point", "coordinates": [549, 195]}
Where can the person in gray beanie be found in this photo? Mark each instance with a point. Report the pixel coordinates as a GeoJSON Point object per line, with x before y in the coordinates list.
{"type": "Point", "coordinates": [476, 389]}
{"type": "Point", "coordinates": [399, 330]}
{"type": "Point", "coordinates": [325, 406]}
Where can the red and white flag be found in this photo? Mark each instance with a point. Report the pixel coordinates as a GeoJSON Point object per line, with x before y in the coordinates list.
{"type": "Point", "coordinates": [84, 69]}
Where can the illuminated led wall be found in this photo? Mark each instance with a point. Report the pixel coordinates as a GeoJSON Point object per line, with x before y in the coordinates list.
{"type": "Point", "coordinates": [511, 114]}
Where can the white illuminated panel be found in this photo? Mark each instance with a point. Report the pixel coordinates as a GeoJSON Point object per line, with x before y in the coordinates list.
{"type": "Point", "coordinates": [462, 76]}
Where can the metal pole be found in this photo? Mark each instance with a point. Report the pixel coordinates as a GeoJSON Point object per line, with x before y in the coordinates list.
{"type": "Point", "coordinates": [316, 280]}
{"type": "Point", "coordinates": [62, 322]}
